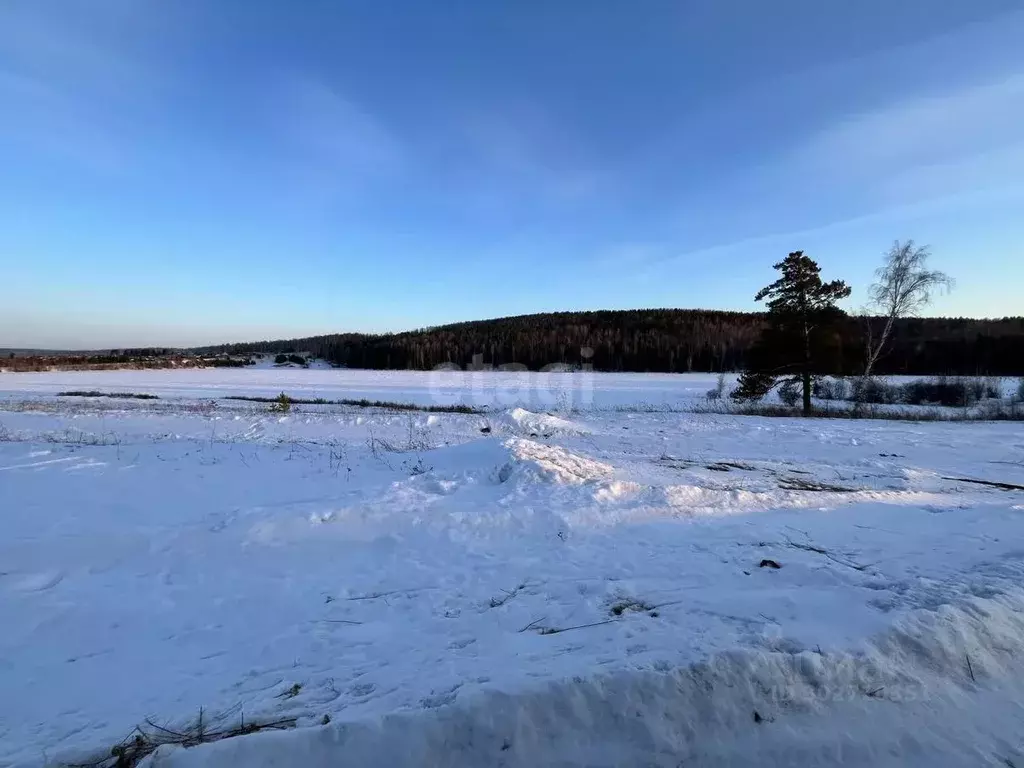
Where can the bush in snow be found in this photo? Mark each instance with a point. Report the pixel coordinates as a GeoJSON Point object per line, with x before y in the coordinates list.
{"type": "Point", "coordinates": [876, 391]}
{"type": "Point", "coordinates": [986, 388]}
{"type": "Point", "coordinates": [719, 390]}
{"type": "Point", "coordinates": [1000, 410]}
{"type": "Point", "coordinates": [993, 387]}
{"type": "Point", "coordinates": [282, 403]}
{"type": "Point", "coordinates": [1020, 390]}
{"type": "Point", "coordinates": [789, 392]}
{"type": "Point", "coordinates": [831, 389]}
{"type": "Point", "coordinates": [952, 393]}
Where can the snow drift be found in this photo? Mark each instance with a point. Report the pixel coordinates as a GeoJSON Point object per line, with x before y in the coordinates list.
{"type": "Point", "coordinates": [939, 689]}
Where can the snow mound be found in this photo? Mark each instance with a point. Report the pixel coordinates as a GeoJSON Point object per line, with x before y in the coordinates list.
{"type": "Point", "coordinates": [536, 462]}
{"type": "Point", "coordinates": [530, 423]}
{"type": "Point", "coordinates": [496, 461]}
{"type": "Point", "coordinates": [513, 459]}
{"type": "Point", "coordinates": [480, 457]}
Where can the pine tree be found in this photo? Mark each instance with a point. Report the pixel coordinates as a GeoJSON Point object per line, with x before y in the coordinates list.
{"type": "Point", "coordinates": [801, 309]}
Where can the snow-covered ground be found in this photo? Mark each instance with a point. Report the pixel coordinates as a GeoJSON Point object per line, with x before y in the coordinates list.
{"type": "Point", "coordinates": [484, 389]}
{"type": "Point", "coordinates": [533, 586]}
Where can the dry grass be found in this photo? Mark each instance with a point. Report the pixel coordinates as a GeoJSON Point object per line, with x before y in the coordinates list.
{"type": "Point", "coordinates": [989, 411]}
{"type": "Point", "coordinates": [362, 403]}
{"type": "Point", "coordinates": [728, 466]}
{"type": "Point", "coordinates": [802, 484]}
{"type": "Point", "coordinates": [95, 393]}
{"type": "Point", "coordinates": [146, 738]}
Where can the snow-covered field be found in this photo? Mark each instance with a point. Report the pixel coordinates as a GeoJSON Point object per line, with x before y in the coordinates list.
{"type": "Point", "coordinates": [483, 389]}
{"type": "Point", "coordinates": [533, 586]}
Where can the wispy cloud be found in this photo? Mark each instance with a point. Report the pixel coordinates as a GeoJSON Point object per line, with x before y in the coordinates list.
{"type": "Point", "coordinates": [995, 171]}
{"type": "Point", "coordinates": [69, 72]}
{"type": "Point", "coordinates": [335, 130]}
{"type": "Point", "coordinates": [916, 155]}
{"type": "Point", "coordinates": [948, 129]}
{"type": "Point", "coordinates": [520, 149]}
{"type": "Point", "coordinates": [777, 241]}
{"type": "Point", "coordinates": [626, 256]}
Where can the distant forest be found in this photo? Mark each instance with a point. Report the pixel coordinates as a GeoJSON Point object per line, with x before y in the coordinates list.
{"type": "Point", "coordinates": [661, 340]}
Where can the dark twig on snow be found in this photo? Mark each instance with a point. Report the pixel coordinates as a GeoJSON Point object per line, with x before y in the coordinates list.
{"type": "Point", "coordinates": [799, 484]}
{"type": "Point", "coordinates": [560, 630]}
{"type": "Point", "coordinates": [533, 624]}
{"type": "Point", "coordinates": [990, 483]}
{"type": "Point", "coordinates": [497, 602]}
{"type": "Point", "coordinates": [826, 553]}
{"type": "Point", "coordinates": [162, 729]}
{"type": "Point", "coordinates": [290, 693]}
{"type": "Point", "coordinates": [374, 596]}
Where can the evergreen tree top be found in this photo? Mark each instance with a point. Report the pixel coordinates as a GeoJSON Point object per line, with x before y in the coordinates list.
{"type": "Point", "coordinates": [800, 290]}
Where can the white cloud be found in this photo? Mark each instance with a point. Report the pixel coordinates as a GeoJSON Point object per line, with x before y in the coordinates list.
{"type": "Point", "coordinates": [884, 219]}
{"type": "Point", "coordinates": [627, 254]}
{"type": "Point", "coordinates": [914, 157]}
{"type": "Point", "coordinates": [336, 130]}
{"type": "Point", "coordinates": [951, 130]}
{"type": "Point", "coordinates": [521, 149]}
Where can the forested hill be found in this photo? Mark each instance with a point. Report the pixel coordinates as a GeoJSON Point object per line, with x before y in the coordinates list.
{"type": "Point", "coordinates": [666, 340]}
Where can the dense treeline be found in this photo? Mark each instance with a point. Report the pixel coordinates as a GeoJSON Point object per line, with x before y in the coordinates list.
{"type": "Point", "coordinates": [144, 352]}
{"type": "Point", "coordinates": [662, 340]}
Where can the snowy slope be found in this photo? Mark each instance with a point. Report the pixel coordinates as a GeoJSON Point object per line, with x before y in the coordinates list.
{"type": "Point", "coordinates": [577, 589]}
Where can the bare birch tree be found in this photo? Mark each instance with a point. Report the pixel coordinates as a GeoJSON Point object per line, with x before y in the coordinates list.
{"type": "Point", "coordinates": [903, 287]}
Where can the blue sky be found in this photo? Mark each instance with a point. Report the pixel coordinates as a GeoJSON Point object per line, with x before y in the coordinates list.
{"type": "Point", "coordinates": [192, 172]}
